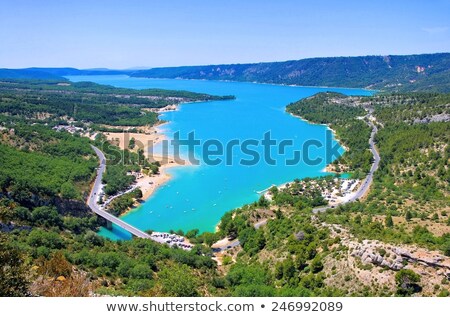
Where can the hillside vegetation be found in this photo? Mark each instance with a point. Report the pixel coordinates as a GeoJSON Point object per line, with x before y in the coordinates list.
{"type": "Point", "coordinates": [47, 101]}
{"type": "Point", "coordinates": [366, 248]}
{"type": "Point", "coordinates": [342, 116]}
{"type": "Point", "coordinates": [48, 244]}
{"type": "Point", "coordinates": [394, 242]}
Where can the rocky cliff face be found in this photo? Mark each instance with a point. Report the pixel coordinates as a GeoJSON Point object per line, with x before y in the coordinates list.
{"type": "Point", "coordinates": [8, 227]}
{"type": "Point", "coordinates": [371, 265]}
{"type": "Point", "coordinates": [72, 207]}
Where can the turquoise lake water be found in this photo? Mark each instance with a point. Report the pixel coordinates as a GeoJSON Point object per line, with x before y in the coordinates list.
{"type": "Point", "coordinates": [197, 196]}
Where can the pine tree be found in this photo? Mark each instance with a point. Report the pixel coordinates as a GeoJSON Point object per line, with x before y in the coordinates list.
{"type": "Point", "coordinates": [389, 222]}
{"type": "Point", "coordinates": [13, 272]}
{"type": "Point", "coordinates": [408, 215]}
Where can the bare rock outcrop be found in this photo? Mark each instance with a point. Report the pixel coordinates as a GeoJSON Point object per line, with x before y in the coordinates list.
{"type": "Point", "coordinates": [375, 253]}
{"type": "Point", "coordinates": [396, 258]}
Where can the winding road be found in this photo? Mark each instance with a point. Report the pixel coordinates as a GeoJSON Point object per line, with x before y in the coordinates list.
{"type": "Point", "coordinates": [365, 186]}
{"type": "Point", "coordinates": [94, 196]}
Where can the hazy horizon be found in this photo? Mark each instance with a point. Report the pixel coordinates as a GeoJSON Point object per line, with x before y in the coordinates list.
{"type": "Point", "coordinates": [237, 63]}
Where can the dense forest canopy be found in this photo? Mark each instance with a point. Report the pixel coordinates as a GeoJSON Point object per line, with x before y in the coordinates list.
{"type": "Point", "coordinates": [88, 102]}
{"type": "Point", "coordinates": [414, 175]}
{"type": "Point", "coordinates": [46, 228]}
{"type": "Point", "coordinates": [335, 110]}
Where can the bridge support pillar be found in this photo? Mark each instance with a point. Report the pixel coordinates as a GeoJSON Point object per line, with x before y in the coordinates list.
{"type": "Point", "coordinates": [108, 225]}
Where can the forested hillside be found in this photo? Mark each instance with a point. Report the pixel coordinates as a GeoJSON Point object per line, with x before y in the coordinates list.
{"type": "Point", "coordinates": [27, 74]}
{"type": "Point", "coordinates": [88, 102]}
{"type": "Point", "coordinates": [48, 244]}
{"type": "Point", "coordinates": [42, 73]}
{"type": "Point", "coordinates": [342, 116]}
{"type": "Point", "coordinates": [394, 242]}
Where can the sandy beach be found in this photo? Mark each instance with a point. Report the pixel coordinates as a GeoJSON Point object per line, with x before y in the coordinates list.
{"type": "Point", "coordinates": [148, 184]}
{"type": "Point", "coordinates": [148, 138]}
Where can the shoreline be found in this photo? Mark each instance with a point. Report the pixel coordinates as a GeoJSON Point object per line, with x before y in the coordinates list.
{"type": "Point", "coordinates": [255, 82]}
{"type": "Point", "coordinates": [151, 136]}
{"type": "Point", "coordinates": [328, 168]}
{"type": "Point", "coordinates": [149, 184]}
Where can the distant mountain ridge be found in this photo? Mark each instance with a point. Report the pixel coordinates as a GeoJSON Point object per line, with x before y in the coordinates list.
{"type": "Point", "coordinates": [392, 73]}
{"type": "Point", "coordinates": [424, 72]}
{"type": "Point", "coordinates": [27, 73]}
{"type": "Point", "coordinates": [70, 71]}
{"type": "Point", "coordinates": [54, 73]}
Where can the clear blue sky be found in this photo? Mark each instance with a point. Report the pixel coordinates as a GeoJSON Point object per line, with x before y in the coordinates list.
{"type": "Point", "coordinates": [130, 33]}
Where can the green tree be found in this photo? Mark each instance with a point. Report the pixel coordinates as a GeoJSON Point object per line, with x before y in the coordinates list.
{"type": "Point", "coordinates": [6, 213]}
{"type": "Point", "coordinates": [93, 239]}
{"type": "Point", "coordinates": [51, 240]}
{"type": "Point", "coordinates": [154, 168]}
{"type": "Point", "coordinates": [141, 271]}
{"type": "Point", "coordinates": [407, 282]}
{"type": "Point", "coordinates": [46, 216]}
{"type": "Point", "coordinates": [109, 259]}
{"type": "Point", "coordinates": [263, 202]}
{"type": "Point", "coordinates": [13, 277]}
{"type": "Point", "coordinates": [254, 291]}
{"type": "Point", "coordinates": [408, 215]}
{"type": "Point", "coordinates": [273, 190]}
{"type": "Point", "coordinates": [68, 191]}
{"type": "Point", "coordinates": [192, 233]}
{"type": "Point", "coordinates": [288, 269]}
{"type": "Point", "coordinates": [137, 193]}
{"type": "Point", "coordinates": [446, 248]}
{"type": "Point", "coordinates": [177, 280]}
{"type": "Point", "coordinates": [125, 268]}
{"type": "Point", "coordinates": [209, 238]}
{"type": "Point", "coordinates": [316, 265]}
{"type": "Point", "coordinates": [388, 221]}
{"type": "Point", "coordinates": [132, 143]}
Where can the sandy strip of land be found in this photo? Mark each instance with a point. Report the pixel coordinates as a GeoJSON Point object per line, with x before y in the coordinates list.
{"type": "Point", "coordinates": [148, 184]}
{"type": "Point", "coordinates": [150, 137]}
{"type": "Point", "coordinates": [221, 243]}
{"type": "Point", "coordinates": [167, 108]}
